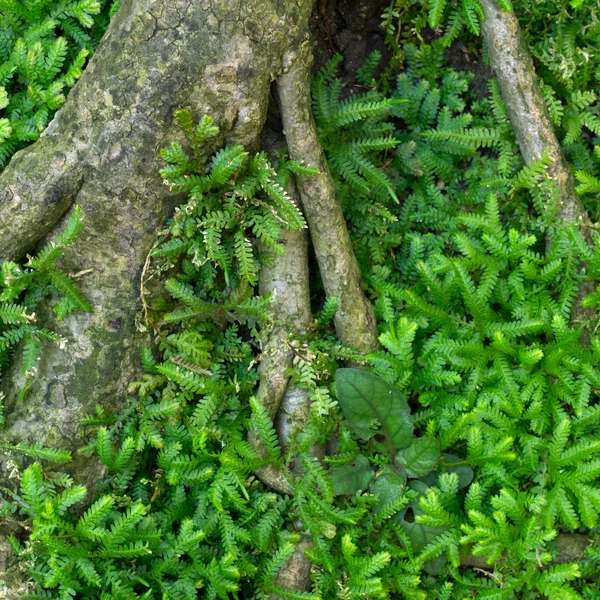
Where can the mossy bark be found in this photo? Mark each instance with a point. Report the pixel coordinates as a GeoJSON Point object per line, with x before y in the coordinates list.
{"type": "Point", "coordinates": [100, 152]}
{"type": "Point", "coordinates": [215, 57]}
{"type": "Point", "coordinates": [531, 122]}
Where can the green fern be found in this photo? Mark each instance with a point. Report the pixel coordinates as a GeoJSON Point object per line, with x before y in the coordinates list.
{"type": "Point", "coordinates": [43, 49]}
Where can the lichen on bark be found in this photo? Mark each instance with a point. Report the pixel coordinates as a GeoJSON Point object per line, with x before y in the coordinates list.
{"type": "Point", "coordinates": [101, 153]}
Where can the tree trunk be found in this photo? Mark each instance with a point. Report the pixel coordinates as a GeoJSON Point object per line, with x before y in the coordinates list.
{"type": "Point", "coordinates": [100, 152]}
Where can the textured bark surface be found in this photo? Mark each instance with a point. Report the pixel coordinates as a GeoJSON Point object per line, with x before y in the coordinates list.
{"type": "Point", "coordinates": [100, 151]}
{"type": "Point", "coordinates": [525, 103]}
{"type": "Point", "coordinates": [531, 122]}
{"type": "Point", "coordinates": [288, 405]}
{"type": "Point", "coordinates": [215, 57]}
{"type": "Point", "coordinates": [354, 322]}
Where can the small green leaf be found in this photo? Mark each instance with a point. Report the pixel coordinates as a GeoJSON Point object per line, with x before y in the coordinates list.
{"type": "Point", "coordinates": [421, 457]}
{"type": "Point", "coordinates": [350, 479]}
{"type": "Point", "coordinates": [5, 129]}
{"type": "Point", "coordinates": [374, 408]}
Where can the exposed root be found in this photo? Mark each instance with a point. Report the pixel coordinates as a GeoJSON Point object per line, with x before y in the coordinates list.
{"type": "Point", "coordinates": [288, 405]}
{"type": "Point", "coordinates": [295, 573]}
{"type": "Point", "coordinates": [287, 279]}
{"type": "Point", "coordinates": [532, 124]}
{"type": "Point", "coordinates": [36, 189]}
{"type": "Point", "coordinates": [570, 547]}
{"type": "Point", "coordinates": [354, 322]}
{"type": "Point", "coordinates": [525, 104]}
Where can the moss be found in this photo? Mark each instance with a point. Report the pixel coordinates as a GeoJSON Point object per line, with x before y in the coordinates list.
{"type": "Point", "coordinates": [103, 149]}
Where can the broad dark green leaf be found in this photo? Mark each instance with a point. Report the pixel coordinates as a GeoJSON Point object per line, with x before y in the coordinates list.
{"type": "Point", "coordinates": [420, 535]}
{"type": "Point", "coordinates": [464, 472]}
{"type": "Point", "coordinates": [421, 457]}
{"type": "Point", "coordinates": [389, 487]}
{"type": "Point", "coordinates": [374, 409]}
{"type": "Point", "coordinates": [352, 478]}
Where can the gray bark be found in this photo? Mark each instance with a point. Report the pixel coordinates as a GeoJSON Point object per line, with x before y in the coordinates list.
{"type": "Point", "coordinates": [215, 57]}
{"type": "Point", "coordinates": [525, 103]}
{"type": "Point", "coordinates": [354, 322]}
{"type": "Point", "coordinates": [100, 152]}
{"type": "Point", "coordinates": [530, 119]}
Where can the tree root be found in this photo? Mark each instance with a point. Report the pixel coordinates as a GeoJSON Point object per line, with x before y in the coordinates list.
{"type": "Point", "coordinates": [354, 322]}
{"type": "Point", "coordinates": [287, 279]}
{"type": "Point", "coordinates": [34, 194]}
{"type": "Point", "coordinates": [526, 106]}
{"type": "Point", "coordinates": [570, 547]}
{"type": "Point", "coordinates": [288, 405]}
{"type": "Point", "coordinates": [531, 122]}
{"type": "Point", "coordinates": [295, 573]}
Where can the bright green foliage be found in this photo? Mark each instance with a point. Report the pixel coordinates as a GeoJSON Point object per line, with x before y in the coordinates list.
{"type": "Point", "coordinates": [23, 288]}
{"type": "Point", "coordinates": [43, 48]}
{"type": "Point", "coordinates": [234, 197]}
{"type": "Point", "coordinates": [451, 17]}
{"type": "Point", "coordinates": [563, 38]}
{"type": "Point", "coordinates": [357, 136]}
{"type": "Point", "coordinates": [473, 283]}
{"type": "Point", "coordinates": [505, 368]}
{"type": "Point", "coordinates": [476, 308]}
{"type": "Point", "coordinates": [378, 413]}
{"type": "Point", "coordinates": [354, 131]}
